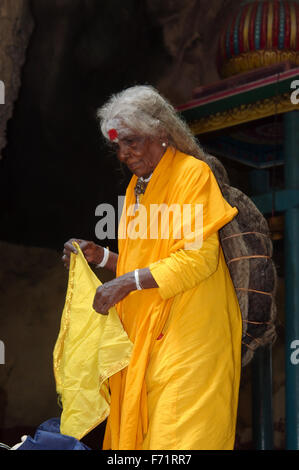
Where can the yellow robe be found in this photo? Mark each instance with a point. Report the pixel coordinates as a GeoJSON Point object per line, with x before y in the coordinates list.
{"type": "Point", "coordinates": [180, 391]}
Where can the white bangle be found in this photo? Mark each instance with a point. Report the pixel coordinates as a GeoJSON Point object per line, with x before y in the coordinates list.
{"type": "Point", "coordinates": [103, 263]}
{"type": "Point", "coordinates": [136, 272]}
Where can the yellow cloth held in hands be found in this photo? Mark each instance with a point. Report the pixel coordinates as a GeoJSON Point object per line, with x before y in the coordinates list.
{"type": "Point", "coordinates": [89, 349]}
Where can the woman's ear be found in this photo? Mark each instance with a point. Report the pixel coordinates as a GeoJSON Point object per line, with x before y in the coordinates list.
{"type": "Point", "coordinates": [163, 139]}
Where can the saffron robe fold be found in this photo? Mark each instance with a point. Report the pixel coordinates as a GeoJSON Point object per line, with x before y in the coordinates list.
{"type": "Point", "coordinates": [181, 391]}
{"type": "Point", "coordinates": [89, 349]}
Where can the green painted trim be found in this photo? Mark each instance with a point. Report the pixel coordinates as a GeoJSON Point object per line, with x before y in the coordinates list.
{"type": "Point", "coordinates": [283, 200]}
{"type": "Point", "coordinates": [243, 98]}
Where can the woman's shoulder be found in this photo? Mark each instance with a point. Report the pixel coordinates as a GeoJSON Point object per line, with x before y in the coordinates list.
{"type": "Point", "coordinates": [184, 164]}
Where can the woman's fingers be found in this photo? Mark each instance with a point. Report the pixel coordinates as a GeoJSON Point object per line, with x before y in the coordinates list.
{"type": "Point", "coordinates": [88, 248]}
{"type": "Point", "coordinates": [68, 246]}
{"type": "Point", "coordinates": [101, 306]}
{"type": "Point", "coordinates": [68, 249]}
{"type": "Point", "coordinates": [102, 301]}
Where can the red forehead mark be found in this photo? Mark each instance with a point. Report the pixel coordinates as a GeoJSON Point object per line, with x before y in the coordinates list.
{"type": "Point", "coordinates": [112, 134]}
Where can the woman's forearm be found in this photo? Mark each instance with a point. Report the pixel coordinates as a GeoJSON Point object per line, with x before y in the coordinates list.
{"type": "Point", "coordinates": [146, 279]}
{"type": "Point", "coordinates": [111, 263]}
{"type": "Point", "coordinates": [114, 291]}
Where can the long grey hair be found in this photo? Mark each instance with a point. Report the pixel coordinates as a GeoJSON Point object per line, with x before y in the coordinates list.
{"type": "Point", "coordinates": [143, 110]}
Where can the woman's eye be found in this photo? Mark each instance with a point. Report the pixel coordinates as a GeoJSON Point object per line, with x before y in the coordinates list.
{"type": "Point", "coordinates": [130, 141]}
{"type": "Point", "coordinates": [114, 147]}
{"type": "Point", "coordinates": [134, 140]}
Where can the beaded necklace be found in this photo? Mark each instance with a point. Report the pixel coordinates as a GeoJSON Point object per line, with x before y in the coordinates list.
{"type": "Point", "coordinates": [140, 188]}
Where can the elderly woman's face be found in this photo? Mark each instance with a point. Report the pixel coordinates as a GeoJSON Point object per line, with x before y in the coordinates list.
{"type": "Point", "coordinates": [140, 154]}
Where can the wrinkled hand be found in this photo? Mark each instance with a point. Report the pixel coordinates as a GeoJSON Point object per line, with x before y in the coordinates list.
{"type": "Point", "coordinates": [113, 292]}
{"type": "Point", "coordinates": [93, 253]}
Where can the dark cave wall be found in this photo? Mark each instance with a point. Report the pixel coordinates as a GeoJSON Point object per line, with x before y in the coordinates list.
{"type": "Point", "coordinates": [16, 25]}
{"type": "Point", "coordinates": [55, 166]}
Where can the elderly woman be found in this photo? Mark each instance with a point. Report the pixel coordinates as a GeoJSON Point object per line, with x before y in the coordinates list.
{"type": "Point", "coordinates": [173, 293]}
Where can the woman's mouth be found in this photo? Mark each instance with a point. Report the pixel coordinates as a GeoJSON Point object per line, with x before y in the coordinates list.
{"type": "Point", "coordinates": [133, 166]}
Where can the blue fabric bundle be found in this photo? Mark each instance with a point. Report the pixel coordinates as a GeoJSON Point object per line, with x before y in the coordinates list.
{"type": "Point", "coordinates": [48, 437]}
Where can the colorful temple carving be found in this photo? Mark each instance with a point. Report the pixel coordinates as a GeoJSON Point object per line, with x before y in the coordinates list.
{"type": "Point", "coordinates": [260, 33]}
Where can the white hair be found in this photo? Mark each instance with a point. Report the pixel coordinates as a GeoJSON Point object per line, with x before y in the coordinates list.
{"type": "Point", "coordinates": [143, 110]}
